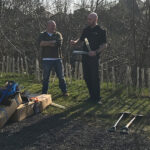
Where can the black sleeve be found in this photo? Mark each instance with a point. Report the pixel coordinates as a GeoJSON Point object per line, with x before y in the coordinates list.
{"type": "Point", "coordinates": [103, 38]}
{"type": "Point", "coordinates": [83, 35]}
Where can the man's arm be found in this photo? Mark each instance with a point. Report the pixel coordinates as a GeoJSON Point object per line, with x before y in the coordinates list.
{"type": "Point", "coordinates": [101, 48]}
{"type": "Point", "coordinates": [42, 43]}
{"type": "Point", "coordinates": [98, 51]}
{"type": "Point", "coordinates": [47, 43]}
{"type": "Point", "coordinates": [74, 42]}
{"type": "Point", "coordinates": [59, 40]}
{"type": "Point", "coordinates": [79, 40]}
{"type": "Point", "coordinates": [104, 43]}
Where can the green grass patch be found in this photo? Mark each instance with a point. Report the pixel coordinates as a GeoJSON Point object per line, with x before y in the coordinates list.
{"type": "Point", "coordinates": [115, 101]}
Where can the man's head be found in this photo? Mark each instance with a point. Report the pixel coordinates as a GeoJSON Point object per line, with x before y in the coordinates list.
{"type": "Point", "coordinates": [51, 26]}
{"type": "Point", "coordinates": [92, 19]}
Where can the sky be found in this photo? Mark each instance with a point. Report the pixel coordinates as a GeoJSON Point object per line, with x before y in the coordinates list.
{"type": "Point", "coordinates": [73, 2]}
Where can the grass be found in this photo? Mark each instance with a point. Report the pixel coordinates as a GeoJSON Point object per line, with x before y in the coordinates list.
{"type": "Point", "coordinates": [115, 101]}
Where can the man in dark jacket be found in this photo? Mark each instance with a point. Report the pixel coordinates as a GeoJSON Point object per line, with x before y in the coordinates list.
{"type": "Point", "coordinates": [97, 43]}
{"type": "Point", "coordinates": [51, 41]}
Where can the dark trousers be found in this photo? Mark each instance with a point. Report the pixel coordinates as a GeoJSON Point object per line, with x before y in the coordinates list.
{"type": "Point", "coordinates": [91, 76]}
{"type": "Point", "coordinates": [59, 69]}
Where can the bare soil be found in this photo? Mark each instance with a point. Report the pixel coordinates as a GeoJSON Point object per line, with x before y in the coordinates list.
{"type": "Point", "coordinates": [61, 132]}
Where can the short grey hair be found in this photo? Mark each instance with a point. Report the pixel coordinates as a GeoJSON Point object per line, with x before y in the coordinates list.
{"type": "Point", "coordinates": [51, 21]}
{"type": "Point", "coordinates": [94, 14]}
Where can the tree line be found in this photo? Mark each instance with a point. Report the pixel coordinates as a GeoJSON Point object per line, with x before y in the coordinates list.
{"type": "Point", "coordinates": [127, 23]}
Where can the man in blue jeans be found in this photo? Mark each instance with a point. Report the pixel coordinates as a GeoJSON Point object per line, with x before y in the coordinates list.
{"type": "Point", "coordinates": [51, 41]}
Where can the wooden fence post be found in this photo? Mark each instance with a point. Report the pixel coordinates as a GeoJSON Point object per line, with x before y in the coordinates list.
{"type": "Point", "coordinates": [148, 73]}
{"type": "Point", "coordinates": [66, 70]}
{"type": "Point", "coordinates": [3, 64]}
{"type": "Point", "coordinates": [7, 64]}
{"type": "Point", "coordinates": [113, 77]}
{"type": "Point", "coordinates": [107, 76]}
{"type": "Point", "coordinates": [26, 65]}
{"type": "Point", "coordinates": [53, 78]}
{"type": "Point", "coordinates": [18, 65]}
{"type": "Point", "coordinates": [22, 66]}
{"type": "Point", "coordinates": [128, 79]}
{"type": "Point", "coordinates": [13, 65]}
{"type": "Point", "coordinates": [80, 71]}
{"type": "Point", "coordinates": [143, 80]}
{"type": "Point", "coordinates": [76, 70]}
{"type": "Point", "coordinates": [102, 73]}
{"type": "Point", "coordinates": [138, 77]}
{"type": "Point", "coordinates": [69, 73]}
{"type": "Point", "coordinates": [10, 65]}
{"type": "Point", "coordinates": [37, 73]}
{"type": "Point", "coordinates": [143, 77]}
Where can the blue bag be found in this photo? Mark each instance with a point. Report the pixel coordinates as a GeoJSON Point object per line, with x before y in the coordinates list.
{"type": "Point", "coordinates": [10, 90]}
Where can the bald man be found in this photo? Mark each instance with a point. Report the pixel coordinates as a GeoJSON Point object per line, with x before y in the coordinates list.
{"type": "Point", "coordinates": [97, 41]}
{"type": "Point", "coordinates": [51, 41]}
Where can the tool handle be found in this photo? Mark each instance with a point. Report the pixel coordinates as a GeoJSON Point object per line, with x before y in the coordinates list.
{"type": "Point", "coordinates": [87, 44]}
{"type": "Point", "coordinates": [59, 106]}
{"type": "Point", "coordinates": [118, 120]}
{"type": "Point", "coordinates": [131, 121]}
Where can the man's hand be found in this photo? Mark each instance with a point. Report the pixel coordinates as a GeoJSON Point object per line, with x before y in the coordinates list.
{"type": "Point", "coordinates": [73, 42]}
{"type": "Point", "coordinates": [92, 53]}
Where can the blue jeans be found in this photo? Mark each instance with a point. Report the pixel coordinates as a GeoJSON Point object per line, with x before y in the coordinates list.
{"type": "Point", "coordinates": [59, 69]}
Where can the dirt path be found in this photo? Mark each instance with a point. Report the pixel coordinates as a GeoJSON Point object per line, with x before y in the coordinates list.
{"type": "Point", "coordinates": [60, 132]}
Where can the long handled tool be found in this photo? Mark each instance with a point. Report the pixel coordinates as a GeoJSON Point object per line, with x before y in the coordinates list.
{"type": "Point", "coordinates": [80, 52]}
{"type": "Point", "coordinates": [125, 130]}
{"type": "Point", "coordinates": [83, 52]}
{"type": "Point", "coordinates": [114, 127]}
{"type": "Point", "coordinates": [87, 44]}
